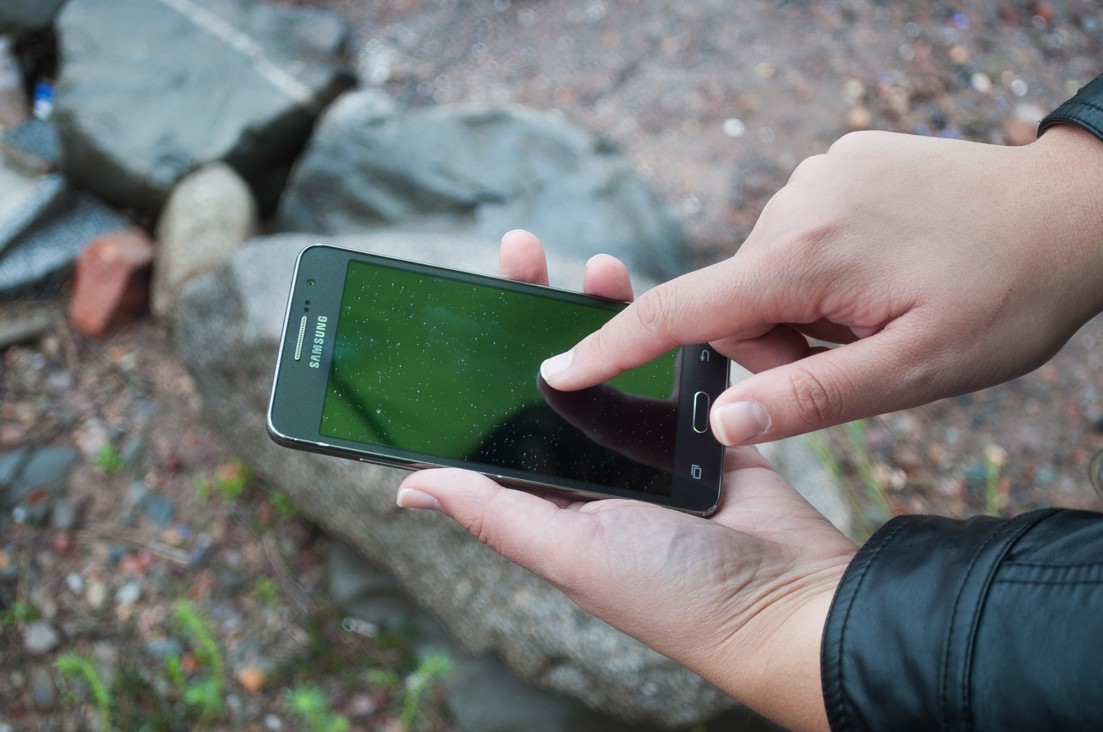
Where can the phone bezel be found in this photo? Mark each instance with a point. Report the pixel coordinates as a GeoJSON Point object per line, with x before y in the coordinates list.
{"type": "Point", "coordinates": [298, 390]}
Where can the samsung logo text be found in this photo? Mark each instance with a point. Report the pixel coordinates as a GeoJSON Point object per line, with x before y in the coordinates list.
{"type": "Point", "coordinates": [319, 339]}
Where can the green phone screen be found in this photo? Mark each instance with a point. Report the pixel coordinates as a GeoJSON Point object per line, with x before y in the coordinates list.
{"type": "Point", "coordinates": [441, 366]}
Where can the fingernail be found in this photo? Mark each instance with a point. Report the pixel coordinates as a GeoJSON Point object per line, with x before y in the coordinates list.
{"type": "Point", "coordinates": [734, 424]}
{"type": "Point", "coordinates": [555, 365]}
{"type": "Point", "coordinates": [413, 498]}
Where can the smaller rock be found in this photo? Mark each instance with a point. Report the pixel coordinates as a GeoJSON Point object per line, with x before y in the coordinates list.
{"type": "Point", "coordinates": [30, 203]}
{"type": "Point", "coordinates": [251, 678]}
{"type": "Point", "coordinates": [137, 493]}
{"type": "Point", "coordinates": [209, 215]}
{"type": "Point", "coordinates": [32, 146]}
{"type": "Point", "coordinates": [161, 648]}
{"type": "Point", "coordinates": [43, 689]}
{"type": "Point", "coordinates": [45, 241]}
{"type": "Point", "coordinates": [61, 542]}
{"type": "Point", "coordinates": [40, 638]}
{"type": "Point", "coordinates": [64, 515]}
{"type": "Point", "coordinates": [159, 509]}
{"type": "Point", "coordinates": [129, 593]}
{"type": "Point", "coordinates": [13, 101]}
{"type": "Point", "coordinates": [95, 594]}
{"type": "Point", "coordinates": [9, 569]}
{"type": "Point", "coordinates": [859, 118]}
{"type": "Point", "coordinates": [112, 282]}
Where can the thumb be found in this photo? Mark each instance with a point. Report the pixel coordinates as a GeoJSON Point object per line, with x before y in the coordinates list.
{"type": "Point", "coordinates": [524, 528]}
{"type": "Point", "coordinates": [871, 376]}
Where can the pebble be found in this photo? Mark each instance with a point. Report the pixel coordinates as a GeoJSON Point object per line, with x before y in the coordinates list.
{"type": "Point", "coordinates": [96, 594]}
{"type": "Point", "coordinates": [173, 536]}
{"type": "Point", "coordinates": [159, 509]}
{"type": "Point", "coordinates": [9, 568]}
{"type": "Point", "coordinates": [129, 593]}
{"type": "Point", "coordinates": [976, 475]}
{"type": "Point", "coordinates": [40, 638]}
{"type": "Point", "coordinates": [859, 118]}
{"type": "Point", "coordinates": [136, 492]}
{"type": "Point", "coordinates": [251, 679]}
{"type": "Point", "coordinates": [75, 582]}
{"type": "Point", "coordinates": [43, 689]}
{"type": "Point", "coordinates": [230, 580]}
{"type": "Point", "coordinates": [62, 542]}
{"type": "Point", "coordinates": [43, 598]}
{"type": "Point", "coordinates": [981, 82]}
{"type": "Point", "coordinates": [203, 546]}
{"type": "Point", "coordinates": [362, 706]}
{"type": "Point", "coordinates": [64, 515]}
{"type": "Point", "coordinates": [161, 648]}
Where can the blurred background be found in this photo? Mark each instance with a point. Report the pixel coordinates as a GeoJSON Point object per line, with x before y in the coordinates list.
{"type": "Point", "coordinates": [151, 576]}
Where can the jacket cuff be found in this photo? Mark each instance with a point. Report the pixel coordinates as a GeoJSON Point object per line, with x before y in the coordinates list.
{"type": "Point", "coordinates": [1084, 110]}
{"type": "Point", "coordinates": [901, 629]}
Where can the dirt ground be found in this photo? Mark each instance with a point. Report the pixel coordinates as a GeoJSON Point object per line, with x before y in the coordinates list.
{"type": "Point", "coordinates": [715, 103]}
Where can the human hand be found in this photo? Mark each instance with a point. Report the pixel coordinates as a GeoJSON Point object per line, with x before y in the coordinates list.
{"type": "Point", "coordinates": [741, 598]}
{"type": "Point", "coordinates": [941, 266]}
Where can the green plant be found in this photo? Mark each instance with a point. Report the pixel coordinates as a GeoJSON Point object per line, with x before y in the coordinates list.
{"type": "Point", "coordinates": [108, 460]}
{"type": "Point", "coordinates": [203, 694]}
{"type": "Point", "coordinates": [432, 668]}
{"type": "Point", "coordinates": [413, 689]}
{"type": "Point", "coordinates": [863, 460]}
{"type": "Point", "coordinates": [283, 506]}
{"type": "Point", "coordinates": [266, 590]}
{"type": "Point", "coordinates": [309, 703]}
{"type": "Point", "coordinates": [18, 613]}
{"type": "Point", "coordinates": [870, 506]}
{"type": "Point", "coordinates": [74, 664]}
{"type": "Point", "coordinates": [175, 670]}
{"type": "Point", "coordinates": [229, 480]}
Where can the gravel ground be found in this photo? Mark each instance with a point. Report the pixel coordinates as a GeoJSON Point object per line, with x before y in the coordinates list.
{"type": "Point", "coordinates": [715, 103]}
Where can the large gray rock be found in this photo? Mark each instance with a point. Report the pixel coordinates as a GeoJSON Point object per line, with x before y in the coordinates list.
{"type": "Point", "coordinates": [151, 89]}
{"type": "Point", "coordinates": [44, 224]}
{"type": "Point", "coordinates": [227, 330]}
{"type": "Point", "coordinates": [28, 15]}
{"type": "Point", "coordinates": [482, 170]}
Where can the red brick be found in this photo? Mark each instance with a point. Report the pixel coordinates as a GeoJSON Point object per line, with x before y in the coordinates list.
{"type": "Point", "coordinates": [111, 285]}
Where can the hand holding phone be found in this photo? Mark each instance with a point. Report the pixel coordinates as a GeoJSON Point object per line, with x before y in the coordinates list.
{"type": "Point", "coordinates": [739, 597]}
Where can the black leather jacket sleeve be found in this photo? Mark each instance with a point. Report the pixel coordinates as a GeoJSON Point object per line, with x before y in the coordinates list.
{"type": "Point", "coordinates": [984, 624]}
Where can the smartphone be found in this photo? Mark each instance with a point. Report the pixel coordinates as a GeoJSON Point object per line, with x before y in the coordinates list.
{"type": "Point", "coordinates": [411, 365]}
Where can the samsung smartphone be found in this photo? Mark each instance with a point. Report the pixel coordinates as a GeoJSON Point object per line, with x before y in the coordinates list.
{"type": "Point", "coordinates": [411, 365]}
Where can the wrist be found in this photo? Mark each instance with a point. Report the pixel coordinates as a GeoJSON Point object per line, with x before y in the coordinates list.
{"type": "Point", "coordinates": [772, 662]}
{"type": "Point", "coordinates": [1065, 175]}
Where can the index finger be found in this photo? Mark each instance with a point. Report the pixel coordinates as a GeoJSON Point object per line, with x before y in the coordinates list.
{"type": "Point", "coordinates": [698, 307]}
